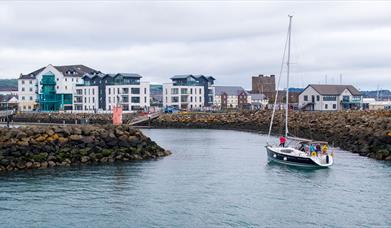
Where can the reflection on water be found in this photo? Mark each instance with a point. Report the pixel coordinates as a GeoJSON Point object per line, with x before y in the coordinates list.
{"type": "Point", "coordinates": [214, 178]}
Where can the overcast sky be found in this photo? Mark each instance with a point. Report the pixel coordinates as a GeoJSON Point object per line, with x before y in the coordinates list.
{"type": "Point", "coordinates": [230, 40]}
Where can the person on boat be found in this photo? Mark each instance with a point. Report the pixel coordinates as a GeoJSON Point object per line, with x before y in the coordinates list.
{"type": "Point", "coordinates": [312, 148]}
{"type": "Point", "coordinates": [317, 148]}
{"type": "Point", "coordinates": [282, 141]}
{"type": "Point", "coordinates": [324, 149]}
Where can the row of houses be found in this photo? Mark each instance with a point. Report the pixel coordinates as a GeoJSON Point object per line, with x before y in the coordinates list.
{"type": "Point", "coordinates": [79, 88]}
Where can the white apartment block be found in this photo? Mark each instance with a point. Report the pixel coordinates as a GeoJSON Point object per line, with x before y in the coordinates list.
{"type": "Point", "coordinates": [27, 93]}
{"type": "Point", "coordinates": [188, 92]}
{"type": "Point", "coordinates": [101, 92]}
{"type": "Point", "coordinates": [50, 88]}
{"type": "Point", "coordinates": [183, 97]}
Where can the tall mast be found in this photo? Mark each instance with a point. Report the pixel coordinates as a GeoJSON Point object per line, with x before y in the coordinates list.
{"type": "Point", "coordinates": [287, 79]}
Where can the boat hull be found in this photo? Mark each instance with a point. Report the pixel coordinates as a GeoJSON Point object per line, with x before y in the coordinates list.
{"type": "Point", "coordinates": [275, 156]}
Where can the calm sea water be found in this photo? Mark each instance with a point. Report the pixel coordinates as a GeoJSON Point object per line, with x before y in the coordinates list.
{"type": "Point", "coordinates": [213, 179]}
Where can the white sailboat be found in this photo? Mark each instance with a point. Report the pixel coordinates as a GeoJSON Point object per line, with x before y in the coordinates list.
{"type": "Point", "coordinates": [296, 155]}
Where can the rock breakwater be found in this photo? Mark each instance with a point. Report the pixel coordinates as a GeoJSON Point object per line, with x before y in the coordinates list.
{"type": "Point", "coordinates": [69, 118]}
{"type": "Point", "coordinates": [50, 146]}
{"type": "Point", "coordinates": [365, 132]}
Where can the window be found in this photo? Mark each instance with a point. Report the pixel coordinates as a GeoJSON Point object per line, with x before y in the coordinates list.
{"type": "Point", "coordinates": [145, 99]}
{"type": "Point", "coordinates": [93, 99]}
{"type": "Point", "coordinates": [23, 98]}
{"type": "Point", "coordinates": [135, 99]}
{"type": "Point", "coordinates": [135, 90]}
{"type": "Point", "coordinates": [93, 91]}
{"type": "Point", "coordinates": [191, 91]}
{"type": "Point", "coordinates": [145, 90]}
{"type": "Point", "coordinates": [109, 99]}
{"type": "Point", "coordinates": [109, 90]}
{"type": "Point", "coordinates": [195, 98]}
{"type": "Point", "coordinates": [31, 89]}
{"type": "Point", "coordinates": [166, 91]}
{"type": "Point", "coordinates": [183, 91]}
{"type": "Point", "coordinates": [79, 91]}
{"type": "Point", "coordinates": [23, 84]}
{"type": "Point", "coordinates": [77, 80]}
{"type": "Point", "coordinates": [66, 79]}
{"type": "Point", "coordinates": [31, 82]}
{"type": "Point", "coordinates": [57, 79]}
{"type": "Point", "coordinates": [356, 98]}
{"type": "Point", "coordinates": [22, 89]}
{"type": "Point", "coordinates": [57, 87]}
{"type": "Point", "coordinates": [317, 98]}
{"type": "Point", "coordinates": [334, 106]}
{"type": "Point", "coordinates": [200, 99]}
{"type": "Point", "coordinates": [200, 91]}
{"type": "Point", "coordinates": [125, 107]}
{"type": "Point", "coordinates": [29, 107]}
{"type": "Point", "coordinates": [85, 100]}
{"type": "Point", "coordinates": [31, 98]}
{"type": "Point", "coordinates": [174, 99]}
{"type": "Point", "coordinates": [125, 90]}
{"type": "Point", "coordinates": [345, 98]}
{"type": "Point", "coordinates": [118, 91]}
{"type": "Point", "coordinates": [191, 99]}
{"type": "Point", "coordinates": [305, 98]}
{"type": "Point", "coordinates": [329, 98]}
{"type": "Point", "coordinates": [24, 107]}
{"type": "Point", "coordinates": [174, 91]}
{"type": "Point", "coordinates": [66, 87]}
{"type": "Point", "coordinates": [326, 106]}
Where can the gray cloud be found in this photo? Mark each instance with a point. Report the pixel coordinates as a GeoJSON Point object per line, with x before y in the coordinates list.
{"type": "Point", "coordinates": [229, 40]}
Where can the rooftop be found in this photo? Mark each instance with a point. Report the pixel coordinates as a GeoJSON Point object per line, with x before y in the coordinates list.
{"type": "Point", "coordinates": [67, 70]}
{"type": "Point", "coordinates": [326, 89]}
{"type": "Point", "coordinates": [229, 90]}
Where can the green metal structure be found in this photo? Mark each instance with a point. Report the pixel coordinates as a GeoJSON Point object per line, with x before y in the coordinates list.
{"type": "Point", "coordinates": [49, 99]}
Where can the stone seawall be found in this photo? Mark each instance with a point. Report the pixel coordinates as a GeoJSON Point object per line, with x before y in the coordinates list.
{"type": "Point", "coordinates": [49, 146]}
{"type": "Point", "coordinates": [365, 132]}
{"type": "Point", "coordinates": [69, 118]}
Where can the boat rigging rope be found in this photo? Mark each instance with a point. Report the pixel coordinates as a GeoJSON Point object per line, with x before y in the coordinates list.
{"type": "Point", "coordinates": [278, 85]}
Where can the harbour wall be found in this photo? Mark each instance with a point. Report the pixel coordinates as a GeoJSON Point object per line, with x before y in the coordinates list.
{"type": "Point", "coordinates": [367, 133]}
{"type": "Point", "coordinates": [36, 147]}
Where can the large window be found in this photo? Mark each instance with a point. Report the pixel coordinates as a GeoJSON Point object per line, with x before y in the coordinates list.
{"type": "Point", "coordinates": [329, 98]}
{"type": "Point", "coordinates": [174, 91]}
{"type": "Point", "coordinates": [345, 98]}
{"type": "Point", "coordinates": [183, 91]}
{"type": "Point", "coordinates": [174, 99]}
{"type": "Point", "coordinates": [317, 98]}
{"type": "Point", "coordinates": [305, 98]}
{"type": "Point", "coordinates": [135, 90]}
{"type": "Point", "coordinates": [125, 99]}
{"type": "Point", "coordinates": [356, 98]}
{"type": "Point", "coordinates": [135, 99]}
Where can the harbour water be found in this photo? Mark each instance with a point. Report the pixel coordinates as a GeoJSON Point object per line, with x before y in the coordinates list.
{"type": "Point", "coordinates": [214, 178]}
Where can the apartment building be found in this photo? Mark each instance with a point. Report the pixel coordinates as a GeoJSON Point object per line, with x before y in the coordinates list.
{"type": "Point", "coordinates": [50, 88]}
{"type": "Point", "coordinates": [188, 92]}
{"type": "Point", "coordinates": [101, 92]}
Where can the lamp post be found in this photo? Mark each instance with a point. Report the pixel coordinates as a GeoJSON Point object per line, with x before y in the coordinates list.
{"type": "Point", "coordinates": [8, 120]}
